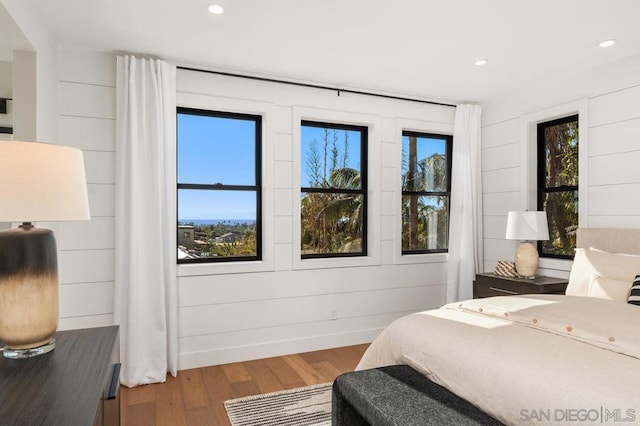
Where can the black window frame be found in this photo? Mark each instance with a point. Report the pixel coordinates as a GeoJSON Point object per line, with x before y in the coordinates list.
{"type": "Point", "coordinates": [364, 176]}
{"type": "Point", "coordinates": [448, 153]}
{"type": "Point", "coordinates": [542, 189]}
{"type": "Point", "coordinates": [257, 188]}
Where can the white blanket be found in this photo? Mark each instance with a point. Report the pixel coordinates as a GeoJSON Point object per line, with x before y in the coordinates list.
{"type": "Point", "coordinates": [544, 359]}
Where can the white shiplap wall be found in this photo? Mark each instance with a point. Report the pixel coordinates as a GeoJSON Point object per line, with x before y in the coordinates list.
{"type": "Point", "coordinates": [611, 96]}
{"type": "Point", "coordinates": [86, 249]}
{"type": "Point", "coordinates": [614, 152]}
{"type": "Point", "coordinates": [500, 187]}
{"type": "Point", "coordinates": [286, 305]}
{"type": "Point", "coordinates": [230, 313]}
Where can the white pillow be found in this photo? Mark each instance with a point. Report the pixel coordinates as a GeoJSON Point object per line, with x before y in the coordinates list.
{"type": "Point", "coordinates": [621, 267]}
{"type": "Point", "coordinates": [608, 288]}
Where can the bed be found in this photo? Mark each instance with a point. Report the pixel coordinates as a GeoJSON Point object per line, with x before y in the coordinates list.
{"type": "Point", "coordinates": [536, 359]}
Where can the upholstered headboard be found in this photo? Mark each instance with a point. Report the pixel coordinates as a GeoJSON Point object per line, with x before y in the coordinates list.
{"type": "Point", "coordinates": [613, 240]}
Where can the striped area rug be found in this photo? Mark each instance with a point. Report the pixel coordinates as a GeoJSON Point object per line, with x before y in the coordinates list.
{"type": "Point", "coordinates": [307, 406]}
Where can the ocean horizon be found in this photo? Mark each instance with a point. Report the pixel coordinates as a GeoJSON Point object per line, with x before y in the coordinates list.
{"type": "Point", "coordinates": [216, 221]}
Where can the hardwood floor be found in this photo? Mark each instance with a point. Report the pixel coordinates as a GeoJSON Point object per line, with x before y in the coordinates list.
{"type": "Point", "coordinates": [196, 396]}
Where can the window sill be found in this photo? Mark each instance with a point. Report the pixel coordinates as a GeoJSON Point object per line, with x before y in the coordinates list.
{"type": "Point", "coordinates": [220, 268]}
{"type": "Point", "coordinates": [335, 262]}
{"type": "Point", "coordinates": [411, 259]}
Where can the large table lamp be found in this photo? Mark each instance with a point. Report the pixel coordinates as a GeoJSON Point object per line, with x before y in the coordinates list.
{"type": "Point", "coordinates": [38, 182]}
{"type": "Point", "coordinates": [527, 226]}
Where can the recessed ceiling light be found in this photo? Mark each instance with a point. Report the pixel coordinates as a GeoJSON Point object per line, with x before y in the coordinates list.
{"type": "Point", "coordinates": [607, 43]}
{"type": "Point", "coordinates": [216, 9]}
{"type": "Point", "coordinates": [481, 62]}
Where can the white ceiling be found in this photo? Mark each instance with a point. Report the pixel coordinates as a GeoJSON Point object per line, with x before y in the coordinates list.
{"type": "Point", "coordinates": [421, 48]}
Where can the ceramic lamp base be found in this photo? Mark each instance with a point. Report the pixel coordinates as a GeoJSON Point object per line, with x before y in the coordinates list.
{"type": "Point", "coordinates": [526, 260]}
{"type": "Point", "coordinates": [28, 291]}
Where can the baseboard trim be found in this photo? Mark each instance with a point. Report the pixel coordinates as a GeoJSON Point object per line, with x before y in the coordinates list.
{"type": "Point", "coordinates": [276, 348]}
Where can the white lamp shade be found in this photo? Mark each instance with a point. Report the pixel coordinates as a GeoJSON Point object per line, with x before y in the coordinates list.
{"type": "Point", "coordinates": [41, 182]}
{"type": "Point", "coordinates": [527, 226]}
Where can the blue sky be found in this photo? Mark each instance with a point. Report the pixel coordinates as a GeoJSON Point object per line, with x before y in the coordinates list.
{"type": "Point", "coordinates": [212, 150]}
{"type": "Point", "coordinates": [222, 150]}
{"type": "Point", "coordinates": [216, 150]}
{"type": "Point", "coordinates": [210, 205]}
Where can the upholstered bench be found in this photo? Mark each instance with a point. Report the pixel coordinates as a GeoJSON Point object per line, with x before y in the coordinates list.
{"type": "Point", "coordinates": [399, 395]}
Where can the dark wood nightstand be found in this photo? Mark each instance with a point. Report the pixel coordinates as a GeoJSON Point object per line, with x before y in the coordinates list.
{"type": "Point", "coordinates": [490, 284]}
{"type": "Point", "coordinates": [75, 384]}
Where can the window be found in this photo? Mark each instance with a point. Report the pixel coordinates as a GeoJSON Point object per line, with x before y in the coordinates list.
{"type": "Point", "coordinates": [333, 199]}
{"type": "Point", "coordinates": [219, 190]}
{"type": "Point", "coordinates": [558, 184]}
{"type": "Point", "coordinates": [426, 183]}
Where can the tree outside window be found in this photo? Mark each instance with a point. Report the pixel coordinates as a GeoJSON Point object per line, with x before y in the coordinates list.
{"type": "Point", "coordinates": [558, 184]}
{"type": "Point", "coordinates": [333, 193]}
{"type": "Point", "coordinates": [426, 181]}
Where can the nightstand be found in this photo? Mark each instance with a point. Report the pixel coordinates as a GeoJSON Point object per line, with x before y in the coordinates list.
{"type": "Point", "coordinates": [489, 284]}
{"type": "Point", "coordinates": [75, 384]}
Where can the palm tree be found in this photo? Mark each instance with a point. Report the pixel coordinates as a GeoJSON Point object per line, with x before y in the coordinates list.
{"type": "Point", "coordinates": [420, 176]}
{"type": "Point", "coordinates": [345, 206]}
{"type": "Point", "coordinates": [331, 221]}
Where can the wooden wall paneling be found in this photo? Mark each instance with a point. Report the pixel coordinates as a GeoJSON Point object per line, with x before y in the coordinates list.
{"type": "Point", "coordinates": [620, 105]}
{"type": "Point", "coordinates": [502, 133]}
{"type": "Point", "coordinates": [97, 233]}
{"type": "Point", "coordinates": [86, 321]}
{"type": "Point", "coordinates": [85, 299]}
{"type": "Point", "coordinates": [500, 203]}
{"type": "Point", "coordinates": [87, 133]}
{"type": "Point", "coordinates": [614, 169]}
{"type": "Point", "coordinates": [501, 157]}
{"type": "Point", "coordinates": [620, 136]}
{"type": "Point", "coordinates": [87, 100]}
{"type": "Point", "coordinates": [501, 180]}
{"type": "Point", "coordinates": [78, 266]}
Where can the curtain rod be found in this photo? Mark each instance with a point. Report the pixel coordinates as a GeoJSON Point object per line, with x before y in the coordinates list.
{"type": "Point", "coordinates": [315, 86]}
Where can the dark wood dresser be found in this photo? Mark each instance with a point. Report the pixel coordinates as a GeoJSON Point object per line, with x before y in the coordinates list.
{"type": "Point", "coordinates": [75, 384]}
{"type": "Point", "coordinates": [490, 284]}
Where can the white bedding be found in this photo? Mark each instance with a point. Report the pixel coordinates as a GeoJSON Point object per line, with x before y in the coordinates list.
{"type": "Point", "coordinates": [526, 359]}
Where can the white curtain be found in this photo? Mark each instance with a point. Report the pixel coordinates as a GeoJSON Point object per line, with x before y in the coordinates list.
{"type": "Point", "coordinates": [145, 280]}
{"type": "Point", "coordinates": [465, 226]}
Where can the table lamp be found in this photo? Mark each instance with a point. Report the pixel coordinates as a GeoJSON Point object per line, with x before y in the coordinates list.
{"type": "Point", "coordinates": [38, 182]}
{"type": "Point", "coordinates": [526, 227]}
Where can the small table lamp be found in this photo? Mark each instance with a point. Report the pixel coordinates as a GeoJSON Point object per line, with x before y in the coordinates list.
{"type": "Point", "coordinates": [527, 227]}
{"type": "Point", "coordinates": [38, 182]}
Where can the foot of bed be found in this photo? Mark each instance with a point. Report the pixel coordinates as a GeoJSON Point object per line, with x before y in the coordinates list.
{"type": "Point", "coordinates": [399, 395]}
